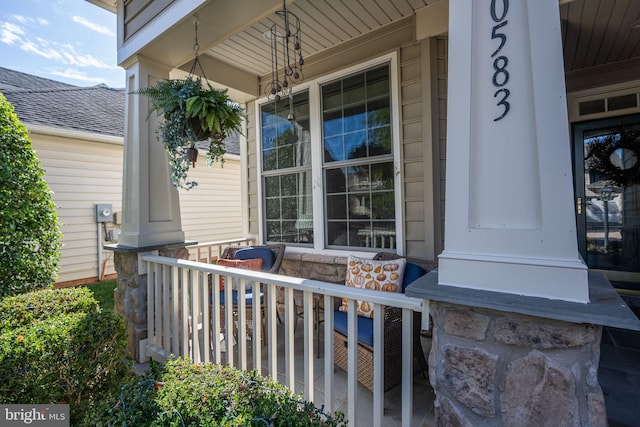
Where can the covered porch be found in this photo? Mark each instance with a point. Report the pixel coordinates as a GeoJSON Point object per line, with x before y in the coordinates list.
{"type": "Point", "coordinates": [440, 115]}
{"type": "Point", "coordinates": [289, 335]}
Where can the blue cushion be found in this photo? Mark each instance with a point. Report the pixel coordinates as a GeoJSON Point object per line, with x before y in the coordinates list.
{"type": "Point", "coordinates": [412, 272]}
{"type": "Point", "coordinates": [250, 253]}
{"type": "Point", "coordinates": [365, 327]}
{"type": "Point", "coordinates": [234, 297]}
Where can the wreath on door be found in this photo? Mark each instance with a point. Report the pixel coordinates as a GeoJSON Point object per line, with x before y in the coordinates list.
{"type": "Point", "coordinates": [617, 157]}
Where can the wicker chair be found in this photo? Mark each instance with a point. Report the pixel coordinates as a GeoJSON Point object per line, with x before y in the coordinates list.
{"type": "Point", "coordinates": [271, 264]}
{"type": "Point", "coordinates": [392, 336]}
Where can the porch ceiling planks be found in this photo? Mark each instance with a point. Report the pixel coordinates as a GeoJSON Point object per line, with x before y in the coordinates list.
{"type": "Point", "coordinates": [597, 32]}
{"type": "Point", "coordinates": [325, 24]}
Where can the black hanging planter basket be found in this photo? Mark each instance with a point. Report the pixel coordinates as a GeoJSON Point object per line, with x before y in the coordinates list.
{"type": "Point", "coordinates": [192, 155]}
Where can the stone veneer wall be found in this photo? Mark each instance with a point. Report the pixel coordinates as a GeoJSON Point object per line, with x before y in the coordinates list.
{"type": "Point", "coordinates": [494, 368]}
{"type": "Point", "coordinates": [130, 295]}
{"type": "Point", "coordinates": [313, 266]}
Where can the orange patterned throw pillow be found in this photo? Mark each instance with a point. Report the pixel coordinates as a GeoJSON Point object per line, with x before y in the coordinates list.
{"type": "Point", "coordinates": [383, 276]}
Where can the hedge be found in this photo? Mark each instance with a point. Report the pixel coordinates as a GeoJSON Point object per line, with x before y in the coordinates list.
{"type": "Point", "coordinates": [180, 393]}
{"type": "Point", "coordinates": [29, 226]}
{"type": "Point", "coordinates": [57, 346]}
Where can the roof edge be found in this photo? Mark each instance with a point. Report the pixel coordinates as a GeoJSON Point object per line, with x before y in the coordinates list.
{"type": "Point", "coordinates": [75, 134]}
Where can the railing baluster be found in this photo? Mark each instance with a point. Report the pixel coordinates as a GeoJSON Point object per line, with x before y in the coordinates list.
{"type": "Point", "coordinates": [257, 322]}
{"type": "Point", "coordinates": [352, 357]}
{"type": "Point", "coordinates": [272, 347]}
{"type": "Point", "coordinates": [328, 353]}
{"type": "Point", "coordinates": [204, 306]}
{"type": "Point", "coordinates": [407, 366]}
{"type": "Point", "coordinates": [242, 325]}
{"type": "Point", "coordinates": [215, 317]}
{"type": "Point", "coordinates": [151, 313]}
{"type": "Point", "coordinates": [157, 287]}
{"type": "Point", "coordinates": [166, 310]}
{"type": "Point", "coordinates": [195, 315]}
{"type": "Point", "coordinates": [175, 311]}
{"type": "Point", "coordinates": [307, 304]}
{"type": "Point", "coordinates": [289, 357]}
{"type": "Point", "coordinates": [182, 306]}
{"type": "Point", "coordinates": [228, 318]}
{"type": "Point", "coordinates": [378, 364]}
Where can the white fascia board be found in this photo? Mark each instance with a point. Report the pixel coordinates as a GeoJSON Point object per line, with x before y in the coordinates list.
{"type": "Point", "coordinates": [74, 134]}
{"type": "Point", "coordinates": [158, 26]}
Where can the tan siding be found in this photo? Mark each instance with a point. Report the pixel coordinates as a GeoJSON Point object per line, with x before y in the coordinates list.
{"type": "Point", "coordinates": [138, 13]}
{"type": "Point", "coordinates": [413, 167]}
{"type": "Point", "coordinates": [414, 210]}
{"type": "Point", "coordinates": [252, 175]}
{"type": "Point", "coordinates": [212, 210]}
{"type": "Point", "coordinates": [412, 110]}
{"type": "Point", "coordinates": [411, 90]}
{"type": "Point", "coordinates": [442, 67]}
{"type": "Point", "coordinates": [412, 130]}
{"type": "Point", "coordinates": [82, 173]}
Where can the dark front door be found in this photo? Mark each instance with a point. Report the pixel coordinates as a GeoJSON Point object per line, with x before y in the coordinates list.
{"type": "Point", "coordinates": [607, 180]}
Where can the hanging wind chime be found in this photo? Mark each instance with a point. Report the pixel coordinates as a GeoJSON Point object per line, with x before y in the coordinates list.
{"type": "Point", "coordinates": [286, 58]}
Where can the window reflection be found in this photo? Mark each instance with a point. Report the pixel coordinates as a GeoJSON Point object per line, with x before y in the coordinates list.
{"type": "Point", "coordinates": [360, 201]}
{"type": "Point", "coordinates": [612, 208]}
{"type": "Point", "coordinates": [286, 162]}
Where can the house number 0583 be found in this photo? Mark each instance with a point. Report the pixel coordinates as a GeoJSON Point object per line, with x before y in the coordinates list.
{"type": "Point", "coordinates": [499, 11]}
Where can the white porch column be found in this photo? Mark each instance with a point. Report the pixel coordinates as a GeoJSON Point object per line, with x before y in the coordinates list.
{"type": "Point", "coordinates": [510, 224]}
{"type": "Point", "coordinates": [151, 207]}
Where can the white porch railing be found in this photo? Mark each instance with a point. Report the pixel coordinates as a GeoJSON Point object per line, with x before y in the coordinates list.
{"type": "Point", "coordinates": [183, 297]}
{"type": "Point", "coordinates": [209, 251]}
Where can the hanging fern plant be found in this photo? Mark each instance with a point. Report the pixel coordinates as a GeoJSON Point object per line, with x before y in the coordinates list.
{"type": "Point", "coordinates": [192, 113]}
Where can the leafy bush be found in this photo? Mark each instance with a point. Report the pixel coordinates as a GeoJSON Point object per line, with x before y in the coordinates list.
{"type": "Point", "coordinates": [26, 309]}
{"type": "Point", "coordinates": [57, 346]}
{"type": "Point", "coordinates": [29, 227]}
{"type": "Point", "coordinates": [180, 393]}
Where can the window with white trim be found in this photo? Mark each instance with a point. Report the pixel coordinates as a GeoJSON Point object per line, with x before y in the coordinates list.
{"type": "Point", "coordinates": [355, 192]}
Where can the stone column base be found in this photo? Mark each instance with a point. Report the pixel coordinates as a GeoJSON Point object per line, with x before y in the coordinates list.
{"type": "Point", "coordinates": [130, 299]}
{"type": "Point", "coordinates": [496, 368]}
{"type": "Point", "coordinates": [130, 296]}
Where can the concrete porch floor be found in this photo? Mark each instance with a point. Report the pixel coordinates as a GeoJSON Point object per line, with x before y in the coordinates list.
{"type": "Point", "coordinates": [423, 396]}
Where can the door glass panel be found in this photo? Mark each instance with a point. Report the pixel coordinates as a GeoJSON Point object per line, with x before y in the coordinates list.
{"type": "Point", "coordinates": [612, 197]}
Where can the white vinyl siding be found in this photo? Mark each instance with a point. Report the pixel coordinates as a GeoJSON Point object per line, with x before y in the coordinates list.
{"type": "Point", "coordinates": [80, 173]}
{"type": "Point", "coordinates": [83, 172]}
{"type": "Point", "coordinates": [213, 210]}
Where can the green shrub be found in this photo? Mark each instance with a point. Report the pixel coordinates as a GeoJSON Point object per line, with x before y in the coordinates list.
{"type": "Point", "coordinates": [25, 309]}
{"type": "Point", "coordinates": [182, 393]}
{"type": "Point", "coordinates": [64, 349]}
{"type": "Point", "coordinates": [29, 227]}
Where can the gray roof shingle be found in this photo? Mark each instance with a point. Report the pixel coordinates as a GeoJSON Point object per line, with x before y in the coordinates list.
{"type": "Point", "coordinates": [95, 109]}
